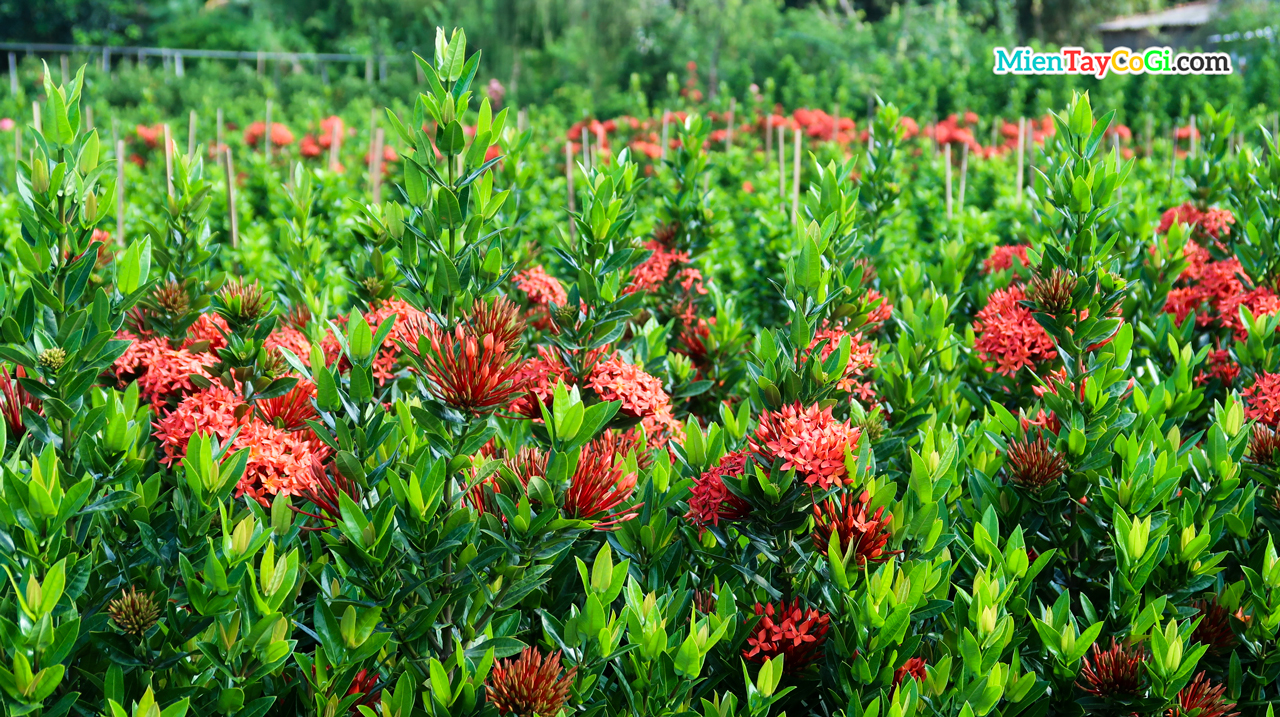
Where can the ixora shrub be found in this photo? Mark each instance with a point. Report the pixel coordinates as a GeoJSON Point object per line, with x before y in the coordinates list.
{"type": "Point", "coordinates": [506, 473]}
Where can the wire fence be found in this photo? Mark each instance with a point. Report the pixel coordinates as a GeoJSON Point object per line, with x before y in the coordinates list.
{"type": "Point", "coordinates": [174, 59]}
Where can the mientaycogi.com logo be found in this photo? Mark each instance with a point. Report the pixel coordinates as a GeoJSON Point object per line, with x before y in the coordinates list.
{"type": "Point", "coordinates": [1122, 60]}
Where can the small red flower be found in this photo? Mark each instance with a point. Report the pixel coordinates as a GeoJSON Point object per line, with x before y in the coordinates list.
{"type": "Point", "coordinates": [710, 501]}
{"type": "Point", "coordinates": [809, 440]}
{"type": "Point", "coordinates": [599, 485]}
{"type": "Point", "coordinates": [1262, 399]}
{"type": "Point", "coordinates": [1115, 672]}
{"type": "Point", "coordinates": [847, 517]}
{"type": "Point", "coordinates": [1202, 699]}
{"type": "Point", "coordinates": [364, 684]}
{"type": "Point", "coordinates": [529, 684]}
{"type": "Point", "coordinates": [788, 630]}
{"type": "Point", "coordinates": [913, 668]}
{"type": "Point", "coordinates": [1221, 367]}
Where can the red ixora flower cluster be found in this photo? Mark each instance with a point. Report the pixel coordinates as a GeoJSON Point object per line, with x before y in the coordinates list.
{"type": "Point", "coordinates": [1262, 399]}
{"type": "Point", "coordinates": [600, 484]}
{"type": "Point", "coordinates": [1209, 224]}
{"type": "Point", "coordinates": [280, 135]}
{"type": "Point", "coordinates": [710, 501]}
{"type": "Point", "coordinates": [1220, 366]}
{"type": "Point", "coordinates": [788, 630]}
{"type": "Point", "coordinates": [913, 668]}
{"type": "Point", "coordinates": [279, 460]}
{"type": "Point", "coordinates": [14, 398]}
{"type": "Point", "coordinates": [476, 366]}
{"type": "Point", "coordinates": [810, 440]}
{"type": "Point", "coordinates": [846, 516]}
{"type": "Point", "coordinates": [1009, 335]}
{"type": "Point", "coordinates": [1114, 672]}
{"type": "Point", "coordinates": [529, 684]}
{"type": "Point", "coordinates": [862, 360]}
{"type": "Point", "coordinates": [1213, 289]}
{"type": "Point", "coordinates": [162, 372]}
{"type": "Point", "coordinates": [1203, 699]}
{"type": "Point", "coordinates": [1002, 258]}
{"type": "Point", "coordinates": [612, 379]}
{"type": "Point", "coordinates": [541, 290]}
{"type": "Point", "coordinates": [404, 332]}
{"type": "Point", "coordinates": [653, 273]}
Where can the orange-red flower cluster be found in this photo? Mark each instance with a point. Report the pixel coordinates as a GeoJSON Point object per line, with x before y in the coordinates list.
{"type": "Point", "coordinates": [652, 274]}
{"type": "Point", "coordinates": [279, 460]}
{"type": "Point", "coordinates": [1262, 399]}
{"type": "Point", "coordinates": [862, 360]}
{"type": "Point", "coordinates": [1009, 335]}
{"type": "Point", "coordinates": [1203, 699]}
{"type": "Point", "coordinates": [1002, 258]}
{"type": "Point", "coordinates": [475, 367]}
{"type": "Point", "coordinates": [1211, 224]}
{"type": "Point", "coordinates": [529, 684]}
{"type": "Point", "coordinates": [600, 484]}
{"type": "Point", "coordinates": [710, 501]}
{"type": "Point", "coordinates": [162, 372]}
{"type": "Point", "coordinates": [14, 398]}
{"type": "Point", "coordinates": [541, 290]}
{"type": "Point", "coordinates": [1213, 289]}
{"type": "Point", "coordinates": [280, 134]}
{"type": "Point", "coordinates": [405, 330]}
{"type": "Point", "coordinates": [810, 440]}
{"type": "Point", "coordinates": [788, 630]}
{"type": "Point", "coordinates": [847, 517]}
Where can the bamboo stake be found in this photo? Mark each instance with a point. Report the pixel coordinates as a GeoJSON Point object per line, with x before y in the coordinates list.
{"type": "Point", "coordinates": [266, 132]}
{"type": "Point", "coordinates": [795, 178]}
{"type": "Point", "coordinates": [13, 72]}
{"type": "Point", "coordinates": [231, 198]}
{"type": "Point", "coordinates": [66, 68]}
{"type": "Point", "coordinates": [522, 119]}
{"type": "Point", "coordinates": [964, 172]}
{"type": "Point", "coordinates": [88, 118]}
{"type": "Point", "coordinates": [568, 174]}
{"type": "Point", "coordinates": [995, 131]}
{"type": "Point", "coordinates": [335, 145]}
{"type": "Point", "coordinates": [1022, 128]}
{"type": "Point", "coordinates": [168, 159]}
{"type": "Point", "coordinates": [376, 166]}
{"type": "Point", "coordinates": [120, 192]}
{"type": "Point", "coordinates": [35, 114]}
{"type": "Point", "coordinates": [373, 134]}
{"type": "Point", "coordinates": [1119, 187]}
{"type": "Point", "coordinates": [666, 119]}
{"type": "Point", "coordinates": [728, 135]}
{"type": "Point", "coordinates": [191, 134]}
{"type": "Point", "coordinates": [768, 142]}
{"type": "Point", "coordinates": [946, 162]}
{"type": "Point", "coordinates": [782, 162]}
